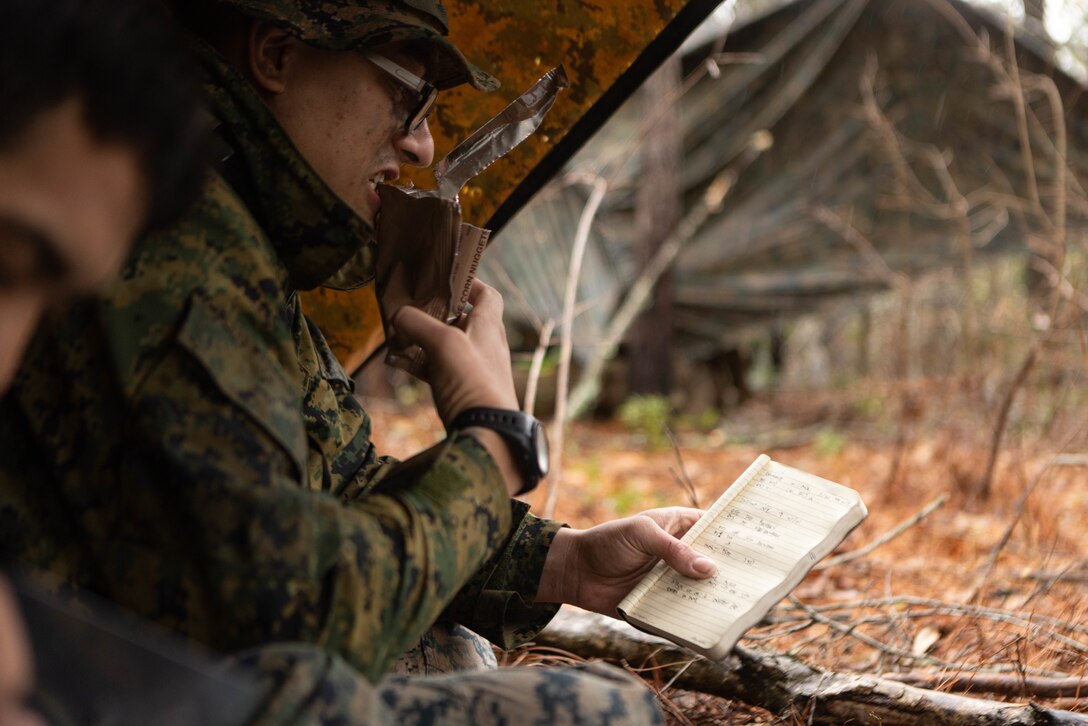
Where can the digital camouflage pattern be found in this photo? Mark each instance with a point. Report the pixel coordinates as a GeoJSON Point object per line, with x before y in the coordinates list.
{"type": "Point", "coordinates": [188, 447]}
{"type": "Point", "coordinates": [446, 648]}
{"type": "Point", "coordinates": [353, 24]}
{"type": "Point", "coordinates": [307, 686]}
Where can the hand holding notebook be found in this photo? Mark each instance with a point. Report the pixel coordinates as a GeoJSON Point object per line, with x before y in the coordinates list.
{"type": "Point", "coordinates": [768, 529]}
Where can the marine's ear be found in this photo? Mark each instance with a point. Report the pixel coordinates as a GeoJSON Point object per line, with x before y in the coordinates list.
{"type": "Point", "coordinates": [270, 51]}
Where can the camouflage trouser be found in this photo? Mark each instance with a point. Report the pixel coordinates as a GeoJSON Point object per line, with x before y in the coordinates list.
{"type": "Point", "coordinates": [306, 685]}
{"type": "Point", "coordinates": [447, 648]}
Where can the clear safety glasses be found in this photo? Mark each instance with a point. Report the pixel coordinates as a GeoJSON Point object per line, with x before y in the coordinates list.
{"type": "Point", "coordinates": [426, 93]}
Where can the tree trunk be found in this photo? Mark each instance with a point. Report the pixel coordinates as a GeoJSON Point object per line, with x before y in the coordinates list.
{"type": "Point", "coordinates": [786, 686]}
{"type": "Point", "coordinates": [1035, 9]}
{"type": "Point", "coordinates": [658, 211]}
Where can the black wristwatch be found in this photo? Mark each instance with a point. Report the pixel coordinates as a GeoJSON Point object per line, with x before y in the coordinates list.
{"type": "Point", "coordinates": [522, 432]}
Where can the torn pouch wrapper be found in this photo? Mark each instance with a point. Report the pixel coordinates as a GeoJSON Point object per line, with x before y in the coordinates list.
{"type": "Point", "coordinates": [427, 257]}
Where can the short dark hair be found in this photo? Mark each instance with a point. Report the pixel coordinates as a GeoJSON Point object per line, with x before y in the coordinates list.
{"type": "Point", "coordinates": [137, 81]}
{"type": "Point", "coordinates": [212, 21]}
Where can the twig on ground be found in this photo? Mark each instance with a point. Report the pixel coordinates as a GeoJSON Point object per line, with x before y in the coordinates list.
{"type": "Point", "coordinates": [908, 657]}
{"type": "Point", "coordinates": [1018, 510]}
{"type": "Point", "coordinates": [884, 538]}
{"type": "Point", "coordinates": [951, 608]}
{"type": "Point", "coordinates": [1067, 574]}
{"type": "Point", "coordinates": [788, 687]}
{"type": "Point", "coordinates": [678, 674]}
{"type": "Point", "coordinates": [1034, 686]}
{"type": "Point", "coordinates": [1031, 622]}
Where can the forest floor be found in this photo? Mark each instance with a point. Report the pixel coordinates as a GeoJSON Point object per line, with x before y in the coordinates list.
{"type": "Point", "coordinates": [991, 585]}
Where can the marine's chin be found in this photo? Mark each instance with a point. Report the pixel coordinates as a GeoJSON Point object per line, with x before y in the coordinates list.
{"type": "Point", "coordinates": [373, 202]}
{"type": "Point", "coordinates": [366, 203]}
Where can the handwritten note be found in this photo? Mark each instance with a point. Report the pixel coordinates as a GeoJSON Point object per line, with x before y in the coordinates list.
{"type": "Point", "coordinates": [772, 523]}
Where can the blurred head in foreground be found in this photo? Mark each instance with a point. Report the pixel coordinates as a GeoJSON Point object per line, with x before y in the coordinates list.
{"type": "Point", "coordinates": [15, 663]}
{"type": "Point", "coordinates": [101, 138]}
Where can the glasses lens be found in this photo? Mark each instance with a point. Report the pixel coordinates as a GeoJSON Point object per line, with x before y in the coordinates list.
{"type": "Point", "coordinates": [423, 110]}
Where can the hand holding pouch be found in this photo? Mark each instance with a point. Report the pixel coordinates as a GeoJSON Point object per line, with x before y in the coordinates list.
{"type": "Point", "coordinates": [427, 257]}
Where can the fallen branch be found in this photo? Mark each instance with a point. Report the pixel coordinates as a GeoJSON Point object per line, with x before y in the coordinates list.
{"type": "Point", "coordinates": [884, 538]}
{"type": "Point", "coordinates": [941, 607]}
{"type": "Point", "coordinates": [1079, 577]}
{"type": "Point", "coordinates": [1021, 686]}
{"type": "Point", "coordinates": [1018, 512]}
{"type": "Point", "coordinates": [786, 686]}
{"type": "Point", "coordinates": [901, 655]}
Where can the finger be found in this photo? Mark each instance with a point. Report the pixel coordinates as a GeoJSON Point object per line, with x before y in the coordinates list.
{"type": "Point", "coordinates": [481, 290]}
{"type": "Point", "coordinates": [675, 520]}
{"type": "Point", "coordinates": [419, 328]}
{"type": "Point", "coordinates": [676, 554]}
{"type": "Point", "coordinates": [486, 301]}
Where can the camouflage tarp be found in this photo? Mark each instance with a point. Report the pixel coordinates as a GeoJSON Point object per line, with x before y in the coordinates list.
{"type": "Point", "coordinates": [831, 208]}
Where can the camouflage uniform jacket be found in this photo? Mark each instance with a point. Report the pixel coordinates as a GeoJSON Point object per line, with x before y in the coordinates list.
{"type": "Point", "coordinates": [188, 446]}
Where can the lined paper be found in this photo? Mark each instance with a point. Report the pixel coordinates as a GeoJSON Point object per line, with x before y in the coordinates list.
{"type": "Point", "coordinates": [772, 518]}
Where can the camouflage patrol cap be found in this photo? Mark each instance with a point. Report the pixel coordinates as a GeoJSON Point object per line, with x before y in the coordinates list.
{"type": "Point", "coordinates": [356, 24]}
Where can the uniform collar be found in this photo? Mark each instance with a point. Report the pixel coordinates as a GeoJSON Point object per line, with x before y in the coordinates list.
{"type": "Point", "coordinates": [314, 232]}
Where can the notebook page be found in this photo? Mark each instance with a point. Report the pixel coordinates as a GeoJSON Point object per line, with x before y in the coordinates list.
{"type": "Point", "coordinates": [661, 569]}
{"type": "Point", "coordinates": [775, 522]}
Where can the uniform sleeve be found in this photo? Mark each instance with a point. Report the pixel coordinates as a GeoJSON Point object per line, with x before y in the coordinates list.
{"type": "Point", "coordinates": [214, 469]}
{"type": "Point", "coordinates": [498, 602]}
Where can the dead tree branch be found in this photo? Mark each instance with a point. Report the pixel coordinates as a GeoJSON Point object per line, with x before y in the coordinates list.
{"type": "Point", "coordinates": [886, 537]}
{"type": "Point", "coordinates": [639, 293]}
{"type": "Point", "coordinates": [1017, 686]}
{"type": "Point", "coordinates": [788, 687]}
{"type": "Point", "coordinates": [982, 487]}
{"type": "Point", "coordinates": [899, 655]}
{"type": "Point", "coordinates": [681, 471]}
{"type": "Point", "coordinates": [1034, 621]}
{"type": "Point", "coordinates": [537, 366]}
{"type": "Point", "coordinates": [893, 279]}
{"type": "Point", "coordinates": [566, 338]}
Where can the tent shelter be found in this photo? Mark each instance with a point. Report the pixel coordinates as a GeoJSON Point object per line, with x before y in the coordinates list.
{"type": "Point", "coordinates": [868, 139]}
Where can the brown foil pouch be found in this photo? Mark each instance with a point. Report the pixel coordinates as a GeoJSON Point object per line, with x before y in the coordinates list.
{"type": "Point", "coordinates": [427, 257]}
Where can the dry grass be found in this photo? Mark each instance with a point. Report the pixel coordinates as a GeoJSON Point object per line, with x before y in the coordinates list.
{"type": "Point", "coordinates": [978, 587]}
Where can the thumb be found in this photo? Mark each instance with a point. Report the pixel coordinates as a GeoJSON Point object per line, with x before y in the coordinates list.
{"type": "Point", "coordinates": [676, 554]}
{"type": "Point", "coordinates": [415, 326]}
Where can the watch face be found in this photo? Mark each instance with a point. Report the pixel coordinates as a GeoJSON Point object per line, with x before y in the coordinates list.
{"type": "Point", "coordinates": [540, 443]}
